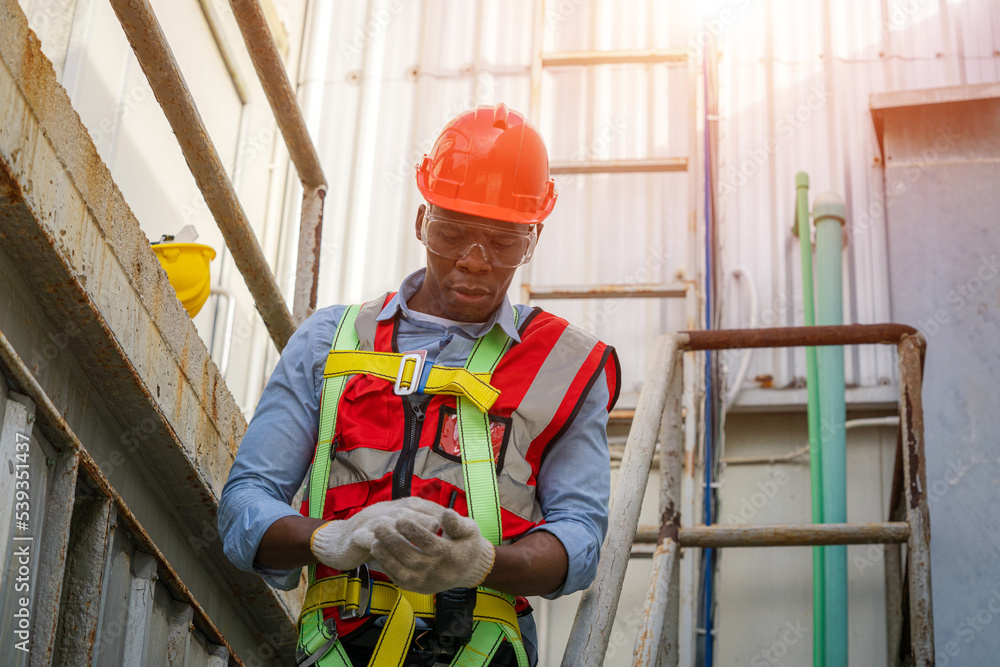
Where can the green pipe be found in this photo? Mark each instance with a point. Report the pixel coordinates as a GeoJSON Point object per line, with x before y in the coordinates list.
{"type": "Point", "coordinates": [812, 387]}
{"type": "Point", "coordinates": [829, 213]}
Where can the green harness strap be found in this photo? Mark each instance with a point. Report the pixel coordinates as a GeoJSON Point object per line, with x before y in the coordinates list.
{"type": "Point", "coordinates": [314, 632]}
{"type": "Point", "coordinates": [482, 495]}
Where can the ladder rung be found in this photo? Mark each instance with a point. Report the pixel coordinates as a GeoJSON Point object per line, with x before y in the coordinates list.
{"type": "Point", "coordinates": [620, 166]}
{"type": "Point", "coordinates": [642, 551]}
{"type": "Point", "coordinates": [790, 535]}
{"type": "Point", "coordinates": [643, 57]}
{"type": "Point", "coordinates": [608, 292]}
{"type": "Point", "coordinates": [622, 414]}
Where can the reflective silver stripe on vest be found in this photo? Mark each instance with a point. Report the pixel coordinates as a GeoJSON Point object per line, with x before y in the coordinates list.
{"type": "Point", "coordinates": [365, 464]}
{"type": "Point", "coordinates": [366, 325]}
{"type": "Point", "coordinates": [546, 393]}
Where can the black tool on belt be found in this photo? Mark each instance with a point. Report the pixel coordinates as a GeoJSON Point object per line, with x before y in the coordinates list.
{"type": "Point", "coordinates": [453, 617]}
{"type": "Point", "coordinates": [453, 610]}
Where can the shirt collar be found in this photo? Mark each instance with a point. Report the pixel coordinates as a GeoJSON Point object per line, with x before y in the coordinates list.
{"type": "Point", "coordinates": [504, 315]}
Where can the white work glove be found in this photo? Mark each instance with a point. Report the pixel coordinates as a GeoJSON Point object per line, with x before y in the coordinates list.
{"type": "Point", "coordinates": [418, 560]}
{"type": "Point", "coordinates": [346, 544]}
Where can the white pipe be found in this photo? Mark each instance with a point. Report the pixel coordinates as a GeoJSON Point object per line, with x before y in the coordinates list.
{"type": "Point", "coordinates": [792, 456]}
{"type": "Point", "coordinates": [227, 332]}
{"type": "Point", "coordinates": [741, 374]}
{"type": "Point", "coordinates": [871, 421]}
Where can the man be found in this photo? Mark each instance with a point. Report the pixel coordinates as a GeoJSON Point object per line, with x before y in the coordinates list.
{"type": "Point", "coordinates": [432, 405]}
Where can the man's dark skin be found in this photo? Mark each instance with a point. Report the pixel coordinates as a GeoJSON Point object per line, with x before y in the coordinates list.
{"type": "Point", "coordinates": [466, 290]}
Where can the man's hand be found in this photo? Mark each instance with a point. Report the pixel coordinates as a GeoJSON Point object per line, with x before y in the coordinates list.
{"type": "Point", "coordinates": [418, 560]}
{"type": "Point", "coordinates": [344, 545]}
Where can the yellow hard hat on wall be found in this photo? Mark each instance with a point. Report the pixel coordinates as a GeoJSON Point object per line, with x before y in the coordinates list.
{"type": "Point", "coordinates": [187, 267]}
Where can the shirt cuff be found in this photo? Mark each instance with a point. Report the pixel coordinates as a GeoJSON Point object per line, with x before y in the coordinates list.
{"type": "Point", "coordinates": [241, 546]}
{"type": "Point", "coordinates": [583, 552]}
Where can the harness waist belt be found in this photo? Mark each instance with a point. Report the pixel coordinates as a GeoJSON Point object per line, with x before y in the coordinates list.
{"type": "Point", "coordinates": [344, 591]}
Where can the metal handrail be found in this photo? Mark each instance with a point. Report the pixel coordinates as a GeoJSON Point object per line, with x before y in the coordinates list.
{"type": "Point", "coordinates": [660, 403]}
{"type": "Point", "coordinates": [281, 96]}
{"type": "Point", "coordinates": [153, 52]}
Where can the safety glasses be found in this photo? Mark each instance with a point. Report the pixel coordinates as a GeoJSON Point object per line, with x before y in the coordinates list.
{"type": "Point", "coordinates": [454, 239]}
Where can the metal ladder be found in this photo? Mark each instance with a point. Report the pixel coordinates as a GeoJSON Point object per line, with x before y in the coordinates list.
{"type": "Point", "coordinates": [543, 61]}
{"type": "Point", "coordinates": [659, 417]}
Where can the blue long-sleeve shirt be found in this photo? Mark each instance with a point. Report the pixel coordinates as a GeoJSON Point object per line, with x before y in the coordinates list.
{"type": "Point", "coordinates": [573, 484]}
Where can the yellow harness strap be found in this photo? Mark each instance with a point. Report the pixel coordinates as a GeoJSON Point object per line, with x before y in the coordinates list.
{"type": "Point", "coordinates": [345, 592]}
{"type": "Point", "coordinates": [403, 368]}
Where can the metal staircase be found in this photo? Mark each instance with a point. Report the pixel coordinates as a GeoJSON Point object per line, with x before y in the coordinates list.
{"type": "Point", "coordinates": [659, 418]}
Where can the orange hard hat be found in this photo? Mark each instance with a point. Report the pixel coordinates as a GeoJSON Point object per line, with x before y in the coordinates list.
{"type": "Point", "coordinates": [491, 163]}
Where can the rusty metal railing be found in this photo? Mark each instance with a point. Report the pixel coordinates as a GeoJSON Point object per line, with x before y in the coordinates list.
{"type": "Point", "coordinates": [658, 415]}
{"type": "Point", "coordinates": [281, 96]}
{"type": "Point", "coordinates": [150, 45]}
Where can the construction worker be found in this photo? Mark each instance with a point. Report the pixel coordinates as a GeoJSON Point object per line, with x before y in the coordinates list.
{"type": "Point", "coordinates": [449, 440]}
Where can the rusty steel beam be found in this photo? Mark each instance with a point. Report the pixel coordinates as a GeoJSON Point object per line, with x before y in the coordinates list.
{"type": "Point", "coordinates": [621, 415]}
{"type": "Point", "coordinates": [57, 429]}
{"type": "Point", "coordinates": [918, 547]}
{"type": "Point", "coordinates": [620, 166]}
{"type": "Point", "coordinates": [850, 334]}
{"type": "Point", "coordinates": [150, 45]}
{"type": "Point", "coordinates": [893, 563]}
{"type": "Point", "coordinates": [795, 535]}
{"type": "Point", "coordinates": [608, 292]}
{"type": "Point", "coordinates": [281, 96]}
{"type": "Point", "coordinates": [648, 57]}
{"type": "Point", "coordinates": [307, 264]}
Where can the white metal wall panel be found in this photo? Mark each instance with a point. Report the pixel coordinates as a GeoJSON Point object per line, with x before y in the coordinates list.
{"type": "Point", "coordinates": [794, 84]}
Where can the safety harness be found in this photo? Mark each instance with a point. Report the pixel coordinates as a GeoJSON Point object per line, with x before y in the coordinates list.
{"type": "Point", "coordinates": [355, 593]}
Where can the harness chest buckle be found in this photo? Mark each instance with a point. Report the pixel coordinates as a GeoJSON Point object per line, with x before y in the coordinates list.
{"type": "Point", "coordinates": [407, 383]}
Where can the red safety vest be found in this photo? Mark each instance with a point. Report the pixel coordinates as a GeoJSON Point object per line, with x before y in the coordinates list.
{"type": "Point", "coordinates": [387, 446]}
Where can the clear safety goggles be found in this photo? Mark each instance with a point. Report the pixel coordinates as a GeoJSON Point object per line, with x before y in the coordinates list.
{"type": "Point", "coordinates": [454, 239]}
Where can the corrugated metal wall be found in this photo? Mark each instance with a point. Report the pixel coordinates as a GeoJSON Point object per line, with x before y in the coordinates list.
{"type": "Point", "coordinates": [794, 83]}
{"type": "Point", "coordinates": [114, 607]}
{"type": "Point", "coordinates": [794, 80]}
